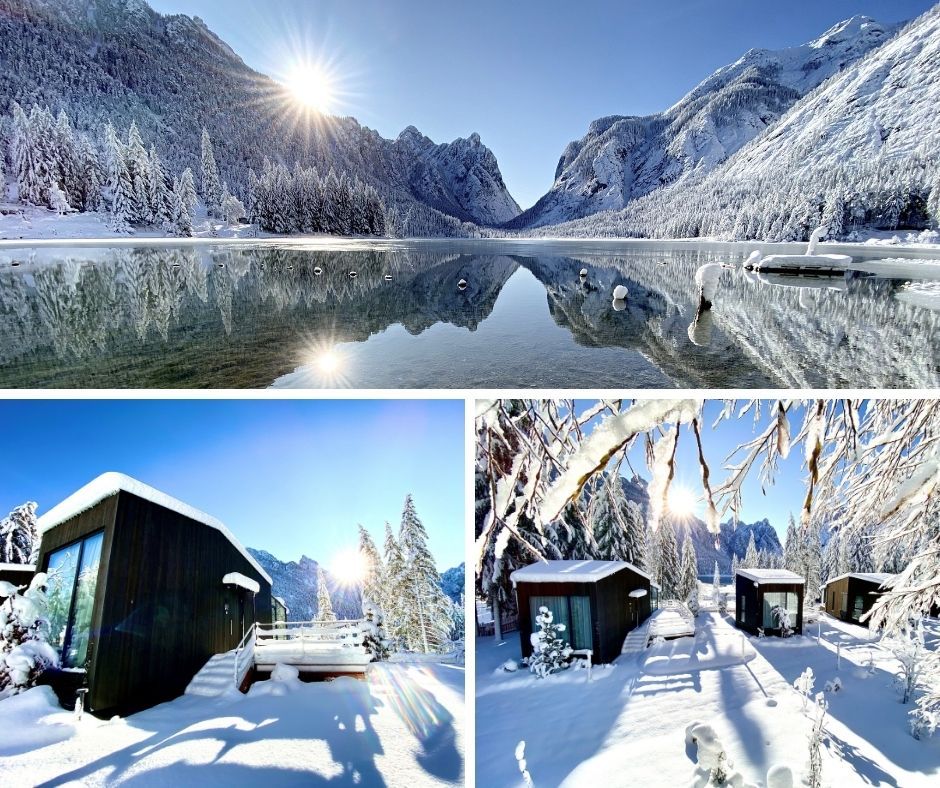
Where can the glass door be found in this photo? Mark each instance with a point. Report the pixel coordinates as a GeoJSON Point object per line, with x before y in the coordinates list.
{"type": "Point", "coordinates": [73, 578]}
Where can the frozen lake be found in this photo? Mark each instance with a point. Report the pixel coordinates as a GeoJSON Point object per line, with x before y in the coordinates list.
{"type": "Point", "coordinates": [284, 314]}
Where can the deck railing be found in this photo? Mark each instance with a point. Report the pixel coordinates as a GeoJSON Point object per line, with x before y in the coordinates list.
{"type": "Point", "coordinates": [341, 633]}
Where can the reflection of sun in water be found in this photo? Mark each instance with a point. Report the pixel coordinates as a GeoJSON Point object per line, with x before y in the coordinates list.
{"type": "Point", "coordinates": [682, 501]}
{"type": "Point", "coordinates": [328, 362]}
{"type": "Point", "coordinates": [349, 567]}
{"type": "Point", "coordinates": [312, 87]}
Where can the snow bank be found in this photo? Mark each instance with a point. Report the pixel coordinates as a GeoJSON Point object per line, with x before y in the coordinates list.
{"type": "Point", "coordinates": [33, 720]}
{"type": "Point", "coordinates": [706, 651]}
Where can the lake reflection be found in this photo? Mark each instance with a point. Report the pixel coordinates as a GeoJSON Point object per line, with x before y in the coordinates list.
{"type": "Point", "coordinates": [256, 316]}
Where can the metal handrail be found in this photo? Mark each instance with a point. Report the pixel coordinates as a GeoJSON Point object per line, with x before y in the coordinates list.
{"type": "Point", "coordinates": [247, 643]}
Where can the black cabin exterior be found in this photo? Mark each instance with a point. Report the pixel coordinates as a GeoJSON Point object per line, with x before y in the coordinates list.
{"type": "Point", "coordinates": [850, 596]}
{"type": "Point", "coordinates": [17, 574]}
{"type": "Point", "coordinates": [143, 590]}
{"type": "Point", "coordinates": [592, 599]}
{"type": "Point", "coordinates": [758, 591]}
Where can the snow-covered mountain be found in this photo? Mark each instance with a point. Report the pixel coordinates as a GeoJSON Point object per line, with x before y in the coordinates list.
{"type": "Point", "coordinates": [296, 583]}
{"type": "Point", "coordinates": [625, 157]}
{"type": "Point", "coordinates": [120, 60]}
{"type": "Point", "coordinates": [884, 105]}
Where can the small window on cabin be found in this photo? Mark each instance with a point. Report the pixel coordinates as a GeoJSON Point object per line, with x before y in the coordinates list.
{"type": "Point", "coordinates": [858, 608]}
{"type": "Point", "coordinates": [845, 602]}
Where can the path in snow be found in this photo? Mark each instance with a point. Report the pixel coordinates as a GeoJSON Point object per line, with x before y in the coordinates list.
{"type": "Point", "coordinates": [628, 729]}
{"type": "Point", "coordinates": [403, 726]}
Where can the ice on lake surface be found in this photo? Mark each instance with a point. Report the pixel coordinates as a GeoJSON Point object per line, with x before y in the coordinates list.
{"type": "Point", "coordinates": [286, 315]}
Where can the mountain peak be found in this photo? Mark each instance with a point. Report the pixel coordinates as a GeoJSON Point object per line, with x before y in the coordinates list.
{"type": "Point", "coordinates": [852, 27]}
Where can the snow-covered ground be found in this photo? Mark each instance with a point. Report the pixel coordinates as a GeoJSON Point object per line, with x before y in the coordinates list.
{"type": "Point", "coordinates": [403, 726]}
{"type": "Point", "coordinates": [627, 726]}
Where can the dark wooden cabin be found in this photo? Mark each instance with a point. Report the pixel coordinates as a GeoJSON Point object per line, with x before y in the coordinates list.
{"type": "Point", "coordinates": [850, 596]}
{"type": "Point", "coordinates": [143, 590]}
{"type": "Point", "coordinates": [592, 599]}
{"type": "Point", "coordinates": [758, 591]}
{"type": "Point", "coordinates": [17, 574]}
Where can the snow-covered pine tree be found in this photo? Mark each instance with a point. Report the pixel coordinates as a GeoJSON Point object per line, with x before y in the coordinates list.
{"type": "Point", "coordinates": [373, 577]}
{"type": "Point", "coordinates": [395, 590]}
{"type": "Point", "coordinates": [232, 209]}
{"type": "Point", "coordinates": [751, 556]}
{"type": "Point", "coordinates": [66, 162]}
{"type": "Point", "coordinates": [90, 175]}
{"type": "Point", "coordinates": [184, 203]}
{"type": "Point", "coordinates": [669, 567]}
{"type": "Point", "coordinates": [688, 574]}
{"type": "Point", "coordinates": [793, 548]}
{"type": "Point", "coordinates": [617, 524]}
{"type": "Point", "coordinates": [24, 631]}
{"type": "Point", "coordinates": [118, 182]}
{"type": "Point", "coordinates": [550, 649]}
{"type": "Point", "coordinates": [138, 168]}
{"type": "Point", "coordinates": [734, 566]}
{"type": "Point", "coordinates": [324, 603]}
{"type": "Point", "coordinates": [158, 199]}
{"type": "Point", "coordinates": [716, 584]}
{"type": "Point", "coordinates": [426, 620]}
{"type": "Point", "coordinates": [24, 153]}
{"type": "Point", "coordinates": [19, 535]}
{"type": "Point", "coordinates": [211, 183]}
{"type": "Point", "coordinates": [859, 552]}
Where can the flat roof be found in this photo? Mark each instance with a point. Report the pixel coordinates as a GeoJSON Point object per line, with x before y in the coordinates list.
{"type": "Point", "coordinates": [571, 571]}
{"type": "Point", "coordinates": [771, 576]}
{"type": "Point", "coordinates": [873, 577]}
{"type": "Point", "coordinates": [111, 483]}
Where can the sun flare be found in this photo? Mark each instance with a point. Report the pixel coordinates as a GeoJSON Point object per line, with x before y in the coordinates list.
{"type": "Point", "coordinates": [682, 501]}
{"type": "Point", "coordinates": [311, 87]}
{"type": "Point", "coordinates": [349, 567]}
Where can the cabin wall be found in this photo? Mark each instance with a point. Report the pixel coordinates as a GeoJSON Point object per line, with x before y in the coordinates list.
{"type": "Point", "coordinates": [833, 600]}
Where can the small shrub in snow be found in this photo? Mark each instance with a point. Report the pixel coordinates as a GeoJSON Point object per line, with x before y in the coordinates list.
{"type": "Point", "coordinates": [833, 686]}
{"type": "Point", "coordinates": [816, 738]}
{"type": "Point", "coordinates": [374, 639]}
{"type": "Point", "coordinates": [781, 618]}
{"type": "Point", "coordinates": [510, 666]}
{"type": "Point", "coordinates": [24, 629]}
{"type": "Point", "coordinates": [722, 603]}
{"type": "Point", "coordinates": [804, 684]}
{"type": "Point", "coordinates": [908, 648]}
{"type": "Point", "coordinates": [551, 650]}
{"type": "Point", "coordinates": [713, 767]}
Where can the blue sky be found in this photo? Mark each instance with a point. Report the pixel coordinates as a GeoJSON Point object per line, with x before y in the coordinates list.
{"type": "Point", "coordinates": [775, 502]}
{"type": "Point", "coordinates": [528, 75]}
{"type": "Point", "coordinates": [288, 476]}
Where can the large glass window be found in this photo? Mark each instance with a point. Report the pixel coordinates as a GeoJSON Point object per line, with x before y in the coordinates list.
{"type": "Point", "coordinates": [73, 578]}
{"type": "Point", "coordinates": [859, 607]}
{"type": "Point", "coordinates": [785, 599]}
{"type": "Point", "coordinates": [572, 611]}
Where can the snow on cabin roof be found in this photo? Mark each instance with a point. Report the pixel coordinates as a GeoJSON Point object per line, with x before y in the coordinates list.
{"type": "Point", "coordinates": [238, 579]}
{"type": "Point", "coordinates": [872, 577]}
{"type": "Point", "coordinates": [112, 483]}
{"type": "Point", "coordinates": [283, 603]}
{"type": "Point", "coordinates": [570, 571]}
{"type": "Point", "coordinates": [771, 576]}
{"type": "Point", "coordinates": [17, 567]}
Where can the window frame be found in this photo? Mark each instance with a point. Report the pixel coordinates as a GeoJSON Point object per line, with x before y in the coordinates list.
{"type": "Point", "coordinates": [73, 599]}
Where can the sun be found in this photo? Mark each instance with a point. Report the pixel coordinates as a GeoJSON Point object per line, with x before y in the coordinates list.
{"type": "Point", "coordinates": [349, 567]}
{"type": "Point", "coordinates": [312, 87]}
{"type": "Point", "coordinates": [682, 501]}
{"type": "Point", "coordinates": [329, 361]}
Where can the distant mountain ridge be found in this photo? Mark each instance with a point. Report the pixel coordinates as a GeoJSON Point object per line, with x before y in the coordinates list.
{"type": "Point", "coordinates": [172, 75]}
{"type": "Point", "coordinates": [732, 541]}
{"type": "Point", "coordinates": [622, 158]}
{"type": "Point", "coordinates": [296, 583]}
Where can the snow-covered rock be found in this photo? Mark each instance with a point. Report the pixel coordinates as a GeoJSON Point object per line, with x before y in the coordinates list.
{"type": "Point", "coordinates": [624, 157]}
